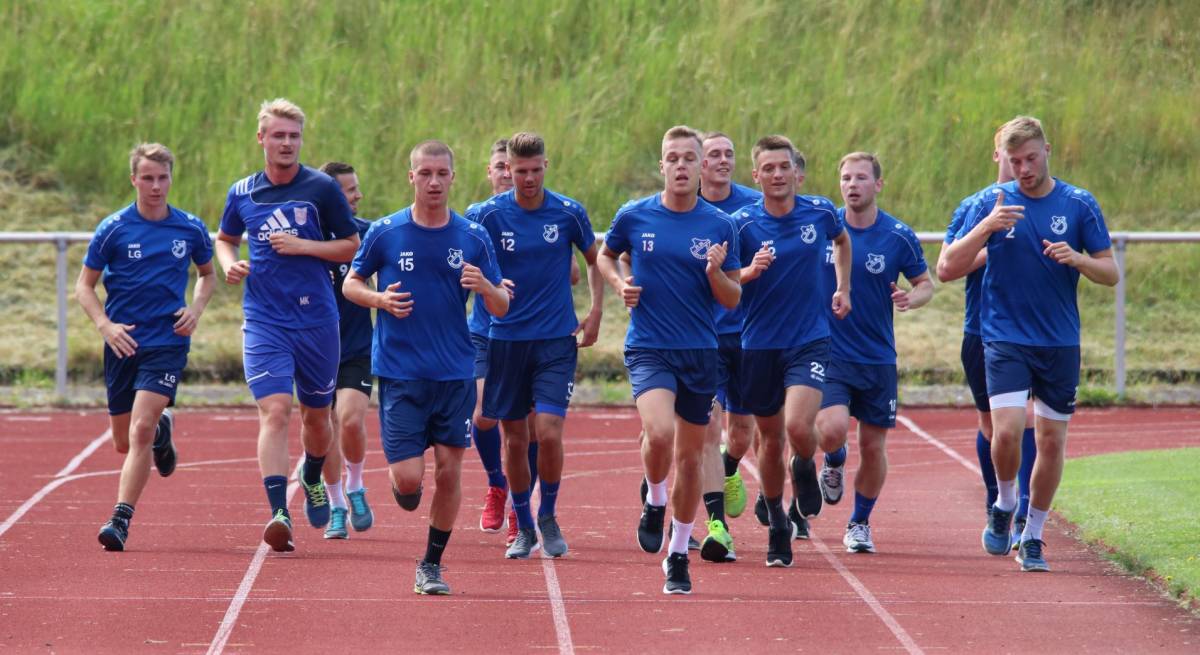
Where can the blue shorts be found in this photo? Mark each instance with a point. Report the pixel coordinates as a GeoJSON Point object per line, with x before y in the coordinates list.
{"type": "Point", "coordinates": [729, 367]}
{"type": "Point", "coordinates": [766, 374]}
{"type": "Point", "coordinates": [1051, 373]}
{"type": "Point", "coordinates": [523, 374]}
{"type": "Point", "coordinates": [416, 414]}
{"type": "Point", "coordinates": [689, 374]}
{"type": "Point", "coordinates": [156, 369]}
{"type": "Point", "coordinates": [480, 341]}
{"type": "Point", "coordinates": [975, 370]}
{"type": "Point", "coordinates": [274, 356]}
{"type": "Point", "coordinates": [868, 390]}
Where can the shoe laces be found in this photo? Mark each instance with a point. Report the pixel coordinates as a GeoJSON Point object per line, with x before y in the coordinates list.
{"type": "Point", "coordinates": [860, 532]}
{"type": "Point", "coordinates": [550, 529]}
{"type": "Point", "coordinates": [1033, 548]}
{"type": "Point", "coordinates": [831, 476]}
{"type": "Point", "coordinates": [1000, 520]}
{"type": "Point", "coordinates": [358, 501]}
{"type": "Point", "coordinates": [316, 493]}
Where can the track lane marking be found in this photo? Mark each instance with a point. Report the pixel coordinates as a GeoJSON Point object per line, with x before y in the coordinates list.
{"type": "Point", "coordinates": [937, 443]}
{"type": "Point", "coordinates": [60, 479]}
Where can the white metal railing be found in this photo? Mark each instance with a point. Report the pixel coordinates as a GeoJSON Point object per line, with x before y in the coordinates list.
{"type": "Point", "coordinates": [63, 240]}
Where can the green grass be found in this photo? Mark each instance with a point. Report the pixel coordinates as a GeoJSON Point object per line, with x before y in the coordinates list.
{"type": "Point", "coordinates": [1141, 508]}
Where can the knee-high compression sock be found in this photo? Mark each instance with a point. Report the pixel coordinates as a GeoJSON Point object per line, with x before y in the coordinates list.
{"type": "Point", "coordinates": [487, 444]}
{"type": "Point", "coordinates": [1025, 473]}
{"type": "Point", "coordinates": [983, 449]}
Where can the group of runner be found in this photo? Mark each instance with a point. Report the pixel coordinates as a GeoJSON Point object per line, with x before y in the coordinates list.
{"type": "Point", "coordinates": [757, 319]}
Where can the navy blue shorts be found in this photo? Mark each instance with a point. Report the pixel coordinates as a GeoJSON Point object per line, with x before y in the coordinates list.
{"type": "Point", "coordinates": [729, 367]}
{"type": "Point", "coordinates": [156, 369]}
{"type": "Point", "coordinates": [416, 414]}
{"type": "Point", "coordinates": [523, 374]}
{"type": "Point", "coordinates": [355, 373]}
{"type": "Point", "coordinates": [975, 370]}
{"type": "Point", "coordinates": [480, 341]}
{"type": "Point", "coordinates": [275, 358]}
{"type": "Point", "coordinates": [868, 390]}
{"type": "Point", "coordinates": [766, 374]}
{"type": "Point", "coordinates": [689, 374]}
{"type": "Point", "coordinates": [1051, 373]}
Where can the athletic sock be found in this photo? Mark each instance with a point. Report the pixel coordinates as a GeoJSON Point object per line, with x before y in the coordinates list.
{"type": "Point", "coordinates": [656, 493]}
{"type": "Point", "coordinates": [276, 486]}
{"type": "Point", "coordinates": [714, 506]}
{"type": "Point", "coordinates": [337, 498]}
{"type": "Point", "coordinates": [1006, 500]}
{"type": "Point", "coordinates": [354, 475]}
{"type": "Point", "coordinates": [836, 458]}
{"type": "Point", "coordinates": [1025, 473]}
{"type": "Point", "coordinates": [776, 516]}
{"type": "Point", "coordinates": [680, 534]}
{"type": "Point", "coordinates": [862, 508]}
{"type": "Point", "coordinates": [731, 464]}
{"type": "Point", "coordinates": [435, 545]}
{"type": "Point", "coordinates": [487, 444]}
{"type": "Point", "coordinates": [983, 450]}
{"type": "Point", "coordinates": [311, 471]}
{"type": "Point", "coordinates": [520, 500]}
{"type": "Point", "coordinates": [533, 455]}
{"type": "Point", "coordinates": [123, 511]}
{"type": "Point", "coordinates": [548, 496]}
{"type": "Point", "coordinates": [1034, 524]}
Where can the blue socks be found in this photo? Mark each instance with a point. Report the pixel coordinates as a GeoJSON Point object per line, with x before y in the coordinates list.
{"type": "Point", "coordinates": [520, 501]}
{"type": "Point", "coordinates": [862, 508]}
{"type": "Point", "coordinates": [276, 486]}
{"type": "Point", "coordinates": [487, 443]}
{"type": "Point", "coordinates": [836, 458]}
{"type": "Point", "coordinates": [983, 449]}
{"type": "Point", "coordinates": [533, 454]}
{"type": "Point", "coordinates": [549, 496]}
{"type": "Point", "coordinates": [1025, 473]}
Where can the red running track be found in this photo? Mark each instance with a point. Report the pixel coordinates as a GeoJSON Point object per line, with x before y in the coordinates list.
{"type": "Point", "coordinates": [193, 579]}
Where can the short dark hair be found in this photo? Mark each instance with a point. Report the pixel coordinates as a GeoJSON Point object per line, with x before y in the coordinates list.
{"type": "Point", "coordinates": [501, 145]}
{"type": "Point", "coordinates": [430, 148]}
{"type": "Point", "coordinates": [336, 168]}
{"type": "Point", "coordinates": [777, 142]}
{"type": "Point", "coordinates": [526, 144]}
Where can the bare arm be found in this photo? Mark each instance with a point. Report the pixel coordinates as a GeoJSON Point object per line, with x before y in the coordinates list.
{"type": "Point", "coordinates": [918, 296]}
{"type": "Point", "coordinates": [336, 250]}
{"type": "Point", "coordinates": [842, 258]}
{"type": "Point", "coordinates": [1099, 267]}
{"type": "Point", "coordinates": [189, 316]}
{"type": "Point", "coordinates": [607, 265]}
{"type": "Point", "coordinates": [943, 271]}
{"type": "Point", "coordinates": [116, 335]}
{"type": "Point", "coordinates": [226, 249]}
{"type": "Point", "coordinates": [761, 262]}
{"type": "Point", "coordinates": [391, 300]}
{"type": "Point", "coordinates": [495, 296]}
{"type": "Point", "coordinates": [961, 257]}
{"type": "Point", "coordinates": [726, 285]}
{"type": "Point", "coordinates": [590, 326]}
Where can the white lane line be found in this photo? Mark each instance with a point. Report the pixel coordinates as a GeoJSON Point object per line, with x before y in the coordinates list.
{"type": "Point", "coordinates": [916, 429]}
{"type": "Point", "coordinates": [562, 628]}
{"type": "Point", "coordinates": [859, 588]}
{"type": "Point", "coordinates": [60, 479]}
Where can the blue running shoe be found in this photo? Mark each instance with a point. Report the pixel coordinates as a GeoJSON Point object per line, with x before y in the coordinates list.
{"type": "Point", "coordinates": [337, 524]}
{"type": "Point", "coordinates": [997, 536]}
{"type": "Point", "coordinates": [1030, 555]}
{"type": "Point", "coordinates": [316, 504]}
{"type": "Point", "coordinates": [360, 512]}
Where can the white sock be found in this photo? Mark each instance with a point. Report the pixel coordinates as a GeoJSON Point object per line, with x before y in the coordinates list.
{"type": "Point", "coordinates": [1006, 501]}
{"type": "Point", "coordinates": [1034, 523]}
{"type": "Point", "coordinates": [354, 471]}
{"type": "Point", "coordinates": [657, 495]}
{"type": "Point", "coordinates": [679, 538]}
{"type": "Point", "coordinates": [336, 497]}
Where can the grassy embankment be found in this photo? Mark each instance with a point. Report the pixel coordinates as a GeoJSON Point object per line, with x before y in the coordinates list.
{"type": "Point", "coordinates": [923, 86]}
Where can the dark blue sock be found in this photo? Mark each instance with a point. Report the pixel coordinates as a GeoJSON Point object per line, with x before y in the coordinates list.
{"type": "Point", "coordinates": [983, 449]}
{"type": "Point", "coordinates": [776, 517]}
{"type": "Point", "coordinates": [1025, 473]}
{"type": "Point", "coordinates": [276, 486]}
{"type": "Point", "coordinates": [487, 443]}
{"type": "Point", "coordinates": [549, 496]}
{"type": "Point", "coordinates": [862, 508]}
{"type": "Point", "coordinates": [836, 458]}
{"type": "Point", "coordinates": [521, 507]}
{"type": "Point", "coordinates": [311, 472]}
{"type": "Point", "coordinates": [533, 452]}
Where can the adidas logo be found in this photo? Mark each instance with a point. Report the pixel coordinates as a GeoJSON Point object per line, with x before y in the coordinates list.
{"type": "Point", "coordinates": [276, 222]}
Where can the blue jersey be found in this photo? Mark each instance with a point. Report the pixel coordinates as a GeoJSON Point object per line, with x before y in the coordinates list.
{"type": "Point", "coordinates": [288, 290]}
{"type": "Point", "coordinates": [354, 321]}
{"type": "Point", "coordinates": [431, 343]}
{"type": "Point", "coordinates": [669, 252]}
{"type": "Point", "coordinates": [881, 253]}
{"type": "Point", "coordinates": [785, 306]}
{"type": "Point", "coordinates": [145, 265]}
{"type": "Point", "coordinates": [729, 321]}
{"type": "Point", "coordinates": [1028, 298]}
{"type": "Point", "coordinates": [973, 285]}
{"type": "Point", "coordinates": [480, 321]}
{"type": "Point", "coordinates": [533, 248]}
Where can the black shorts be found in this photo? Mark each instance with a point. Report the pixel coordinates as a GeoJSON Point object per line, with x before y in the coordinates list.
{"type": "Point", "coordinates": [356, 374]}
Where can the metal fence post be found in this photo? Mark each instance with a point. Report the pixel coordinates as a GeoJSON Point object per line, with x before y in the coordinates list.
{"type": "Point", "coordinates": [1119, 331]}
{"type": "Point", "coordinates": [60, 368]}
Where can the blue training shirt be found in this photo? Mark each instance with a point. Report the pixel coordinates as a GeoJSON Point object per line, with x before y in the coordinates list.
{"type": "Point", "coordinates": [729, 321]}
{"type": "Point", "coordinates": [881, 253]}
{"type": "Point", "coordinates": [431, 343]}
{"type": "Point", "coordinates": [1028, 298]}
{"type": "Point", "coordinates": [785, 306]}
{"type": "Point", "coordinates": [480, 321]}
{"type": "Point", "coordinates": [533, 248]}
{"type": "Point", "coordinates": [288, 290]}
{"type": "Point", "coordinates": [354, 321]}
{"type": "Point", "coordinates": [145, 265]}
{"type": "Point", "coordinates": [972, 288]}
{"type": "Point", "coordinates": [669, 252]}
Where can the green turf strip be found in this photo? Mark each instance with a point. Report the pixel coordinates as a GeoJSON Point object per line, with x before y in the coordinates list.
{"type": "Point", "coordinates": [1144, 507]}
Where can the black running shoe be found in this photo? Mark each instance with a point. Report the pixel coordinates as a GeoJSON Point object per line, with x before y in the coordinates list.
{"type": "Point", "coordinates": [805, 487]}
{"type": "Point", "coordinates": [760, 510]}
{"type": "Point", "coordinates": [164, 449]}
{"type": "Point", "coordinates": [779, 547]}
{"type": "Point", "coordinates": [644, 490]}
{"type": "Point", "coordinates": [798, 522]}
{"type": "Point", "coordinates": [675, 567]}
{"type": "Point", "coordinates": [650, 528]}
{"type": "Point", "coordinates": [114, 533]}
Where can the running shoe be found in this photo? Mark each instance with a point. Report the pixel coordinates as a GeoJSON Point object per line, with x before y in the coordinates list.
{"type": "Point", "coordinates": [525, 545]}
{"type": "Point", "coordinates": [316, 503]}
{"type": "Point", "coordinates": [512, 528]}
{"type": "Point", "coordinates": [553, 543]}
{"type": "Point", "coordinates": [650, 528]}
{"type": "Point", "coordinates": [164, 448]}
{"type": "Point", "coordinates": [675, 567]}
{"type": "Point", "coordinates": [1029, 555]}
{"type": "Point", "coordinates": [718, 545]}
{"type": "Point", "coordinates": [805, 488]}
{"type": "Point", "coordinates": [760, 510]}
{"type": "Point", "coordinates": [735, 495]}
{"type": "Point", "coordinates": [997, 535]}
{"type": "Point", "coordinates": [429, 580]}
{"type": "Point", "coordinates": [1018, 529]}
{"type": "Point", "coordinates": [492, 519]}
{"type": "Point", "coordinates": [361, 517]}
{"type": "Point", "coordinates": [831, 481]}
{"type": "Point", "coordinates": [337, 524]}
{"type": "Point", "coordinates": [799, 523]}
{"type": "Point", "coordinates": [858, 538]}
{"type": "Point", "coordinates": [779, 547]}
{"type": "Point", "coordinates": [114, 533]}
{"type": "Point", "coordinates": [644, 489]}
{"type": "Point", "coordinates": [278, 533]}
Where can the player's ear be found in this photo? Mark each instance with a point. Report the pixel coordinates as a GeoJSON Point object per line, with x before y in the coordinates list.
{"type": "Point", "coordinates": [411, 176]}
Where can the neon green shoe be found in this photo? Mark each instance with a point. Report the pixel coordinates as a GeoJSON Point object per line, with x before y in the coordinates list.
{"type": "Point", "coordinates": [735, 495]}
{"type": "Point", "coordinates": [718, 545]}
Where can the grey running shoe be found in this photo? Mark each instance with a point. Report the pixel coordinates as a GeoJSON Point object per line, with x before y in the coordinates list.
{"type": "Point", "coordinates": [552, 540]}
{"type": "Point", "coordinates": [525, 545]}
{"type": "Point", "coordinates": [858, 538]}
{"type": "Point", "coordinates": [429, 580]}
{"type": "Point", "coordinates": [831, 481]}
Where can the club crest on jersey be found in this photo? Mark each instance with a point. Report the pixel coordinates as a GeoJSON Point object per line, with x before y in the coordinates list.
{"type": "Point", "coordinates": [700, 247]}
{"type": "Point", "coordinates": [301, 215]}
{"type": "Point", "coordinates": [808, 233]}
{"type": "Point", "coordinates": [550, 233]}
{"type": "Point", "coordinates": [1058, 225]}
{"type": "Point", "coordinates": [875, 263]}
{"type": "Point", "coordinates": [178, 248]}
{"type": "Point", "coordinates": [455, 260]}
